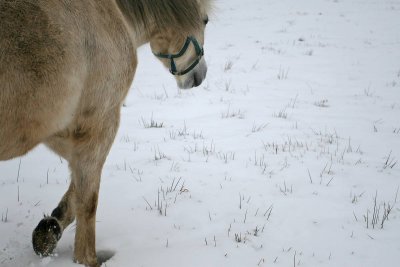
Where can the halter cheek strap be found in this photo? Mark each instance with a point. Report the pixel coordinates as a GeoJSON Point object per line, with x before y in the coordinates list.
{"type": "Point", "coordinates": [171, 57]}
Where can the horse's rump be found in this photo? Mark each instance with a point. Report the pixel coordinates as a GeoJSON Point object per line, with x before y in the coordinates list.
{"type": "Point", "coordinates": [49, 52]}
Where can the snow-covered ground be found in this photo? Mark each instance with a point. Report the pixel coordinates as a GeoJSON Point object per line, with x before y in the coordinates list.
{"type": "Point", "coordinates": [287, 155]}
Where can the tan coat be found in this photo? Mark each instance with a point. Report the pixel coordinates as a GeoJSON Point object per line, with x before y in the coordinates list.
{"type": "Point", "coordinates": [65, 68]}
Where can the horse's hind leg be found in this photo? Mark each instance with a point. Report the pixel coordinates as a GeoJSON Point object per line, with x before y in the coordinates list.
{"type": "Point", "coordinates": [50, 228]}
{"type": "Point", "coordinates": [90, 144]}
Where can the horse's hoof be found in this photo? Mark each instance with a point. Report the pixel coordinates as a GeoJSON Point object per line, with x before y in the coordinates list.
{"type": "Point", "coordinates": [45, 236]}
{"type": "Point", "coordinates": [104, 255]}
{"type": "Point", "coordinates": [92, 263]}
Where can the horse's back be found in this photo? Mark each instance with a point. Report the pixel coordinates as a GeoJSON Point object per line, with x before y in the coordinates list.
{"type": "Point", "coordinates": [36, 88]}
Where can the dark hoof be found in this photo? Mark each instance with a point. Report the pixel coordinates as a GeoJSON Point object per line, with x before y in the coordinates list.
{"type": "Point", "coordinates": [45, 236]}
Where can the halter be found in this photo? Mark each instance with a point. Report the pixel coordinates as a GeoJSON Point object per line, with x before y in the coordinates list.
{"type": "Point", "coordinates": [171, 57]}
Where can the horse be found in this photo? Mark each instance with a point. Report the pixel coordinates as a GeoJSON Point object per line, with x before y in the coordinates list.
{"type": "Point", "coordinates": [65, 68]}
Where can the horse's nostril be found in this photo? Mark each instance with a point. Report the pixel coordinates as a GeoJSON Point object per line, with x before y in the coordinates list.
{"type": "Point", "coordinates": [196, 80]}
{"type": "Point", "coordinates": [198, 77]}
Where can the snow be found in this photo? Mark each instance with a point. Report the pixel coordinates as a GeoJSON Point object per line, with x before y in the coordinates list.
{"type": "Point", "coordinates": [275, 160]}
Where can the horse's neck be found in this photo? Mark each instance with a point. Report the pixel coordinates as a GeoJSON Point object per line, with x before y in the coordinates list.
{"type": "Point", "coordinates": [138, 33]}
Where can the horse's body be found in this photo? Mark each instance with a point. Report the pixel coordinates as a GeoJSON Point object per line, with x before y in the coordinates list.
{"type": "Point", "coordinates": [65, 68]}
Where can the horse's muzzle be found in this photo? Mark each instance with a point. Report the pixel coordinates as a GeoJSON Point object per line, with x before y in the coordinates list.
{"type": "Point", "coordinates": [194, 78]}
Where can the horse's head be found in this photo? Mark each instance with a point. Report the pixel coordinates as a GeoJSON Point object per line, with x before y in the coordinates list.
{"type": "Point", "coordinates": [181, 51]}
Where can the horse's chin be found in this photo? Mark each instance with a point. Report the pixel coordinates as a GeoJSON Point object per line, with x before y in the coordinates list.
{"type": "Point", "coordinates": [193, 78]}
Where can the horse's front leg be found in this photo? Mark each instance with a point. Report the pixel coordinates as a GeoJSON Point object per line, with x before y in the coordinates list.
{"type": "Point", "coordinates": [87, 180]}
{"type": "Point", "coordinates": [92, 145]}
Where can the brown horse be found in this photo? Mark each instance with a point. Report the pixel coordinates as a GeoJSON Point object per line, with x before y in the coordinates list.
{"type": "Point", "coordinates": [65, 68]}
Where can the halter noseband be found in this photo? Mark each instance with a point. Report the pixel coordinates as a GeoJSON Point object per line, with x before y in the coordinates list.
{"type": "Point", "coordinates": [171, 57]}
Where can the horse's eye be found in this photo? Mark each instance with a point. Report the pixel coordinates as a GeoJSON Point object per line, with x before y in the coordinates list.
{"type": "Point", "coordinates": [205, 20]}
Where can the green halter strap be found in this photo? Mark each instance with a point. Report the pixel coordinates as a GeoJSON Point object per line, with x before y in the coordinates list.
{"type": "Point", "coordinates": [171, 57]}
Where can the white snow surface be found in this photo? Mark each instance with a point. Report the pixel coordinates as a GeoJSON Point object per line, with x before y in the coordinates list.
{"type": "Point", "coordinates": [278, 159]}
